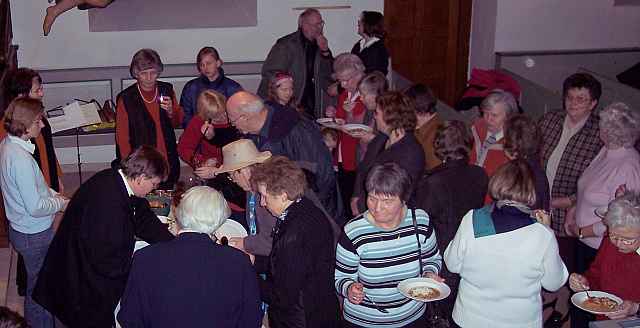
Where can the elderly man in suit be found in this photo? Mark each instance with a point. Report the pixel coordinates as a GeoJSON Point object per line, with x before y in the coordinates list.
{"type": "Point", "coordinates": [87, 265]}
{"type": "Point", "coordinates": [306, 56]}
{"type": "Point", "coordinates": [219, 281]}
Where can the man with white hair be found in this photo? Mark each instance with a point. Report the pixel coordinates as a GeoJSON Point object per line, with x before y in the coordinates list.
{"type": "Point", "coordinates": [306, 56]}
{"type": "Point", "coordinates": [192, 281]}
{"type": "Point", "coordinates": [282, 131]}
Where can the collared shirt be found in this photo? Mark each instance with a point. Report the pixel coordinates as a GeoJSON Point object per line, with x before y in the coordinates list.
{"type": "Point", "coordinates": [366, 43]}
{"type": "Point", "coordinates": [126, 183]}
{"type": "Point", "coordinates": [30, 203]}
{"type": "Point", "coordinates": [567, 133]}
{"type": "Point", "coordinates": [484, 149]}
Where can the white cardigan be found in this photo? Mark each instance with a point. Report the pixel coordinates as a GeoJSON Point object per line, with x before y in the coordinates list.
{"type": "Point", "coordinates": [502, 275]}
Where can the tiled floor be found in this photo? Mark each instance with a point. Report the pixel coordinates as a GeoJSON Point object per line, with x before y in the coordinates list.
{"type": "Point", "coordinates": [8, 291]}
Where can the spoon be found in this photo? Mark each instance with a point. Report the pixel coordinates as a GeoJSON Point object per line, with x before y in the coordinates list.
{"type": "Point", "coordinates": [375, 304]}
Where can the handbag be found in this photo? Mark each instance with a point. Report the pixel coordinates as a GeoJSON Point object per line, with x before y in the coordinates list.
{"type": "Point", "coordinates": [434, 318]}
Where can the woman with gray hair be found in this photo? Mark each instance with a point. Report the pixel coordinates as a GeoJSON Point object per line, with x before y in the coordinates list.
{"type": "Point", "coordinates": [616, 167]}
{"type": "Point", "coordinates": [349, 71]}
{"type": "Point", "coordinates": [488, 131]}
{"type": "Point", "coordinates": [147, 112]}
{"type": "Point", "coordinates": [217, 278]}
{"type": "Point", "coordinates": [615, 269]}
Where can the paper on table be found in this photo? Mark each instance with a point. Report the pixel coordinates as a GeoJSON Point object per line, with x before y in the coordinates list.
{"type": "Point", "coordinates": [75, 116]}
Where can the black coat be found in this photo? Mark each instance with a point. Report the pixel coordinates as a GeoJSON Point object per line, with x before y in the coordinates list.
{"type": "Point", "coordinates": [374, 57]}
{"type": "Point", "coordinates": [191, 282]}
{"type": "Point", "coordinates": [88, 262]}
{"type": "Point", "coordinates": [299, 287]}
{"type": "Point", "coordinates": [406, 152]}
{"type": "Point", "coordinates": [447, 193]}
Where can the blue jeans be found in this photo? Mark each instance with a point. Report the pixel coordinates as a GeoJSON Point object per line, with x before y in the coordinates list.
{"type": "Point", "coordinates": [33, 248]}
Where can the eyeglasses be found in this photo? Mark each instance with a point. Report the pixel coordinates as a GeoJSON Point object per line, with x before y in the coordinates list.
{"type": "Point", "coordinates": [624, 241]}
{"type": "Point", "coordinates": [578, 100]}
{"type": "Point", "coordinates": [241, 117]}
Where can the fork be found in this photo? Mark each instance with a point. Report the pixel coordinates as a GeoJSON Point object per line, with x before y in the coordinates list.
{"type": "Point", "coordinates": [375, 304]}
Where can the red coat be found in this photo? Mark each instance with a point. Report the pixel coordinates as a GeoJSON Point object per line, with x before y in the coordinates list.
{"type": "Point", "coordinates": [348, 144]}
{"type": "Point", "coordinates": [190, 139]}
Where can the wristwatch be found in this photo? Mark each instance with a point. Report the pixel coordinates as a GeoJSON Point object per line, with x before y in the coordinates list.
{"type": "Point", "coordinates": [580, 235]}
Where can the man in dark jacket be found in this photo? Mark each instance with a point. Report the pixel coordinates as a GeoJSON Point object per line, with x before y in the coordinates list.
{"type": "Point", "coordinates": [306, 56]}
{"type": "Point", "coordinates": [283, 131]}
{"type": "Point", "coordinates": [211, 78]}
{"type": "Point", "coordinates": [88, 262]}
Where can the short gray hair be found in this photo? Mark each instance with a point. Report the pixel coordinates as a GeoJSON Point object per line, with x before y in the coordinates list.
{"type": "Point", "coordinates": [306, 13]}
{"type": "Point", "coordinates": [499, 96]}
{"type": "Point", "coordinates": [202, 209]}
{"type": "Point", "coordinates": [619, 125]}
{"type": "Point", "coordinates": [345, 62]}
{"type": "Point", "coordinates": [254, 106]}
{"type": "Point", "coordinates": [624, 211]}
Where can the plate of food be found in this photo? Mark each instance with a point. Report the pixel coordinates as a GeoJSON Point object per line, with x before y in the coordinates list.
{"type": "Point", "coordinates": [424, 289]}
{"type": "Point", "coordinates": [171, 223]}
{"type": "Point", "coordinates": [601, 211]}
{"type": "Point", "coordinates": [230, 229]}
{"type": "Point", "coordinates": [331, 122]}
{"type": "Point", "coordinates": [356, 130]}
{"type": "Point", "coordinates": [596, 302]}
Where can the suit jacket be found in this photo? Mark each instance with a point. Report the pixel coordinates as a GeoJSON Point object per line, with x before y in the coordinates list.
{"type": "Point", "coordinates": [218, 285]}
{"type": "Point", "coordinates": [87, 265]}
{"type": "Point", "coordinates": [581, 149]}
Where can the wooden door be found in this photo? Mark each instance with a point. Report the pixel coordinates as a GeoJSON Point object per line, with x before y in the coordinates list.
{"type": "Point", "coordinates": [429, 43]}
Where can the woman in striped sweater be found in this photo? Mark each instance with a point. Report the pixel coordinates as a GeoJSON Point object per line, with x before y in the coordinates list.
{"type": "Point", "coordinates": [378, 249]}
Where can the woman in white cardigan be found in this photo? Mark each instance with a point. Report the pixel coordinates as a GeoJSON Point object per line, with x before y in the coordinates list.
{"type": "Point", "coordinates": [504, 257]}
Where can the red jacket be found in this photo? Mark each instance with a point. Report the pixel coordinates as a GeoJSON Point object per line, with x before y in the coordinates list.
{"type": "Point", "coordinates": [189, 142]}
{"type": "Point", "coordinates": [348, 145]}
{"type": "Point", "coordinates": [615, 272]}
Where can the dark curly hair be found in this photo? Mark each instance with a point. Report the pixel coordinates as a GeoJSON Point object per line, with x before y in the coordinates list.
{"type": "Point", "coordinates": [521, 137]}
{"type": "Point", "coordinates": [582, 80]}
{"type": "Point", "coordinates": [398, 111]}
{"type": "Point", "coordinates": [21, 81]}
{"type": "Point", "coordinates": [373, 24]}
{"type": "Point", "coordinates": [453, 141]}
{"type": "Point", "coordinates": [279, 175]}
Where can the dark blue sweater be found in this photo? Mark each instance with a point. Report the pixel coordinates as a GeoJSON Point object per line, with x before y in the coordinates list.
{"type": "Point", "coordinates": [191, 91]}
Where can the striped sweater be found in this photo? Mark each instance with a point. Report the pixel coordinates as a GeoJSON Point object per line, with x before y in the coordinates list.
{"type": "Point", "coordinates": [380, 259]}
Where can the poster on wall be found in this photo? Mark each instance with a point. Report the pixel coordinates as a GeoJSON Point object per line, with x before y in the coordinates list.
{"type": "Point", "coordinates": [140, 15]}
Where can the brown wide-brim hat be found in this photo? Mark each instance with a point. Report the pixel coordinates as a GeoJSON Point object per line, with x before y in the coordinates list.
{"type": "Point", "coordinates": [240, 154]}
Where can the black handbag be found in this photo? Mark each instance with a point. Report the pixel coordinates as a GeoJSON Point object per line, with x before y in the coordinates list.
{"type": "Point", "coordinates": [435, 318]}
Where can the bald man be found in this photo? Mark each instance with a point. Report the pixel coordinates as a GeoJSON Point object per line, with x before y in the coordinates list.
{"type": "Point", "coordinates": [283, 131]}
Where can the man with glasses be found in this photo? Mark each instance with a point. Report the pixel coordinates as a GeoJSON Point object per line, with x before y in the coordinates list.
{"type": "Point", "coordinates": [306, 56]}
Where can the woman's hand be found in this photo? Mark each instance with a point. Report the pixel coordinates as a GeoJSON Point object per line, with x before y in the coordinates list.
{"type": "Point", "coordinates": [207, 130]}
{"type": "Point", "coordinates": [621, 190]}
{"type": "Point", "coordinates": [578, 282]}
{"type": "Point", "coordinates": [355, 293]}
{"type": "Point", "coordinates": [627, 309]}
{"type": "Point", "coordinates": [354, 206]}
{"type": "Point", "coordinates": [332, 90]}
{"type": "Point", "coordinates": [166, 103]}
{"type": "Point", "coordinates": [206, 172]}
{"type": "Point", "coordinates": [433, 276]}
{"type": "Point", "coordinates": [330, 111]}
{"type": "Point", "coordinates": [543, 217]}
{"type": "Point", "coordinates": [570, 225]}
{"type": "Point", "coordinates": [561, 202]}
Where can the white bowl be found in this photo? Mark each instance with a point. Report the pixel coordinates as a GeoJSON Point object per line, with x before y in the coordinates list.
{"type": "Point", "coordinates": [406, 285]}
{"type": "Point", "coordinates": [578, 298]}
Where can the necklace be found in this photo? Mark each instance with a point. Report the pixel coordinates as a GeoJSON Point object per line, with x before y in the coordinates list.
{"type": "Point", "coordinates": [142, 95]}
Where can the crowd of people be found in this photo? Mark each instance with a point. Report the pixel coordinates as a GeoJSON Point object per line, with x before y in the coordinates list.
{"type": "Point", "coordinates": [499, 209]}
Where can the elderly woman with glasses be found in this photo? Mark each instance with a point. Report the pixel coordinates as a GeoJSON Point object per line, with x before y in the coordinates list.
{"type": "Point", "coordinates": [488, 131]}
{"type": "Point", "coordinates": [299, 285]}
{"type": "Point", "coordinates": [615, 268]}
{"type": "Point", "coordinates": [388, 243]}
{"type": "Point", "coordinates": [217, 278]}
{"type": "Point", "coordinates": [147, 112]}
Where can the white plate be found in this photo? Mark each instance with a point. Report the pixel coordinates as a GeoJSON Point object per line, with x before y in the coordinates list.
{"type": "Point", "coordinates": [356, 130]}
{"type": "Point", "coordinates": [230, 229]}
{"type": "Point", "coordinates": [331, 122]}
{"type": "Point", "coordinates": [406, 285]}
{"type": "Point", "coordinates": [578, 298]}
{"type": "Point", "coordinates": [601, 211]}
{"type": "Point", "coordinates": [163, 219]}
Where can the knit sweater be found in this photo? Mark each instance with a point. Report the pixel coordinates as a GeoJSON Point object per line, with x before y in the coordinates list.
{"type": "Point", "coordinates": [615, 272]}
{"type": "Point", "coordinates": [380, 259]}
